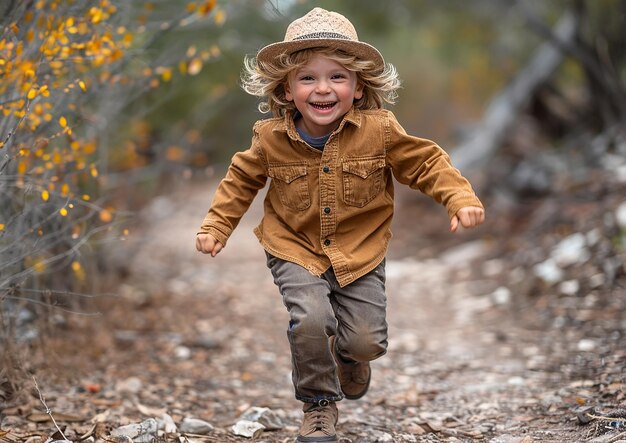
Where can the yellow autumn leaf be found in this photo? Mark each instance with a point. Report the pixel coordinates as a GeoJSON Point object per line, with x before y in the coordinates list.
{"type": "Point", "coordinates": [220, 17]}
{"type": "Point", "coordinates": [206, 7]}
{"type": "Point", "coordinates": [167, 75]}
{"type": "Point", "coordinates": [76, 266]}
{"type": "Point", "coordinates": [63, 122]}
{"type": "Point", "coordinates": [63, 212]}
{"type": "Point", "coordinates": [82, 85]}
{"type": "Point", "coordinates": [195, 66]}
{"type": "Point", "coordinates": [174, 154]}
{"type": "Point", "coordinates": [2, 226]}
{"type": "Point", "coordinates": [45, 195]}
{"type": "Point", "coordinates": [106, 216]}
{"type": "Point", "coordinates": [39, 266]}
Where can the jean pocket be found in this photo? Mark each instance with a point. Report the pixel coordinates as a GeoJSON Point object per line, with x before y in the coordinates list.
{"type": "Point", "coordinates": [292, 184]}
{"type": "Point", "coordinates": [362, 180]}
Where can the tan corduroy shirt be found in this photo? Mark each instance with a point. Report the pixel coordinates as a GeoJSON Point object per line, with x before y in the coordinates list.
{"type": "Point", "coordinates": [332, 207]}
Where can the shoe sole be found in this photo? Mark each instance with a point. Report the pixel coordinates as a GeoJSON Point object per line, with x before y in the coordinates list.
{"type": "Point", "coordinates": [317, 439]}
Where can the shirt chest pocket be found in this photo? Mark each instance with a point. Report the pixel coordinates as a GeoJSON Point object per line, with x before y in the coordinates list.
{"type": "Point", "coordinates": [362, 180]}
{"type": "Point", "coordinates": [292, 184]}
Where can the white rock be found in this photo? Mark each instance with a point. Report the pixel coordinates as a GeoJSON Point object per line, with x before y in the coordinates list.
{"type": "Point", "coordinates": [548, 271]}
{"type": "Point", "coordinates": [620, 215]}
{"type": "Point", "coordinates": [597, 280]}
{"type": "Point", "coordinates": [516, 381]}
{"type": "Point", "coordinates": [265, 416]}
{"type": "Point", "coordinates": [249, 429]}
{"type": "Point", "coordinates": [131, 384]}
{"type": "Point", "coordinates": [382, 437]}
{"type": "Point", "coordinates": [586, 345]}
{"type": "Point", "coordinates": [142, 432]}
{"type": "Point", "coordinates": [166, 423]}
{"type": "Point", "coordinates": [501, 296]}
{"type": "Point", "coordinates": [571, 250]}
{"type": "Point", "coordinates": [593, 237]}
{"type": "Point", "coordinates": [569, 287]}
{"type": "Point", "coordinates": [195, 426]}
{"type": "Point", "coordinates": [182, 352]}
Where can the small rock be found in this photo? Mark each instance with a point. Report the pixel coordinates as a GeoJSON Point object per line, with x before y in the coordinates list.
{"type": "Point", "coordinates": [620, 215]}
{"type": "Point", "coordinates": [265, 416]}
{"type": "Point", "coordinates": [249, 429]}
{"type": "Point", "coordinates": [548, 271]}
{"type": "Point", "coordinates": [195, 426]}
{"type": "Point", "coordinates": [596, 281]}
{"type": "Point", "coordinates": [516, 381]}
{"type": "Point", "coordinates": [132, 385]}
{"type": "Point", "coordinates": [586, 345]}
{"type": "Point", "coordinates": [382, 437]}
{"type": "Point", "coordinates": [166, 423]}
{"type": "Point", "coordinates": [569, 287]}
{"type": "Point", "coordinates": [571, 250]}
{"type": "Point", "coordinates": [182, 352]}
{"type": "Point", "coordinates": [501, 296]}
{"type": "Point", "coordinates": [143, 432]}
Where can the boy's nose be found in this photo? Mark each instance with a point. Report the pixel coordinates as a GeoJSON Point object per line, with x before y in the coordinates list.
{"type": "Point", "coordinates": [323, 87]}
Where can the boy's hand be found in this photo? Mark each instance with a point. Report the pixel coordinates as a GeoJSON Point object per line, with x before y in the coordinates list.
{"type": "Point", "coordinates": [469, 217]}
{"type": "Point", "coordinates": [207, 244]}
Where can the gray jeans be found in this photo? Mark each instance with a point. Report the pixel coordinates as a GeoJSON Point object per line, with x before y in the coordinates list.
{"type": "Point", "coordinates": [318, 308]}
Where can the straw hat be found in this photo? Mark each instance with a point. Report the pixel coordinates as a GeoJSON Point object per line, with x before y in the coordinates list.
{"type": "Point", "coordinates": [321, 29]}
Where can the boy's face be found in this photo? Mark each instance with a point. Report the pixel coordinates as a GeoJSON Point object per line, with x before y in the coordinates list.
{"type": "Point", "coordinates": [323, 91]}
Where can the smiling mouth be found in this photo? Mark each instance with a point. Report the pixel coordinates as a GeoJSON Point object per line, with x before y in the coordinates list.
{"type": "Point", "coordinates": [323, 106]}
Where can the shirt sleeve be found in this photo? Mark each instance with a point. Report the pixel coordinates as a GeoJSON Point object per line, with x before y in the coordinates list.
{"type": "Point", "coordinates": [425, 166]}
{"type": "Point", "coordinates": [246, 175]}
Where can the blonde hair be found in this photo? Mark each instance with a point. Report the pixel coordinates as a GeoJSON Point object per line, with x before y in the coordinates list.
{"type": "Point", "coordinates": [267, 80]}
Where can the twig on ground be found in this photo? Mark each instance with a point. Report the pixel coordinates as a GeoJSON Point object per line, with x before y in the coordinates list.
{"type": "Point", "coordinates": [48, 410]}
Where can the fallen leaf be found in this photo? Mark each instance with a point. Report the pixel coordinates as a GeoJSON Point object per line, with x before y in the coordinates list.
{"type": "Point", "coordinates": [40, 417]}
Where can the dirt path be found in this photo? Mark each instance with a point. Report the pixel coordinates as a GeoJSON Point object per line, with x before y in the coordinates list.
{"type": "Point", "coordinates": [199, 337]}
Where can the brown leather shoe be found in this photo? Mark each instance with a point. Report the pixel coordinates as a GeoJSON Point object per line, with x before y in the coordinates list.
{"type": "Point", "coordinates": [319, 423]}
{"type": "Point", "coordinates": [354, 377]}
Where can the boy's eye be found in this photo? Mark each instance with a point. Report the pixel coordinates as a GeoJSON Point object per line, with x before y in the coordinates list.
{"type": "Point", "coordinates": [306, 78]}
{"type": "Point", "coordinates": [338, 76]}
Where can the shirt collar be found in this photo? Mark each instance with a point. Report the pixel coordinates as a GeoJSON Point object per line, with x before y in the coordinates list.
{"type": "Point", "coordinates": [353, 116]}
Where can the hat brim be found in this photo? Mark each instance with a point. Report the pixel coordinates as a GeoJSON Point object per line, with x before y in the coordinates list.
{"type": "Point", "coordinates": [360, 50]}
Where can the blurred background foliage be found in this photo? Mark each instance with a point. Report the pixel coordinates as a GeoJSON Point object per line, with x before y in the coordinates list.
{"type": "Point", "coordinates": [107, 104]}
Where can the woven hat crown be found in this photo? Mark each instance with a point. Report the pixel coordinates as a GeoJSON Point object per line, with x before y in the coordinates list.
{"type": "Point", "coordinates": [320, 28]}
{"type": "Point", "coordinates": [320, 23]}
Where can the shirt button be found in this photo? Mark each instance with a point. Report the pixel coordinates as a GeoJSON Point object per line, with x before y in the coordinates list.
{"type": "Point", "coordinates": [326, 242]}
{"type": "Point", "coordinates": [326, 169]}
{"type": "Point", "coordinates": [326, 210]}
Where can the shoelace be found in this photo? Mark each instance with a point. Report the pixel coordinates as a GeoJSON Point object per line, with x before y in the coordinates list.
{"type": "Point", "coordinates": [320, 420]}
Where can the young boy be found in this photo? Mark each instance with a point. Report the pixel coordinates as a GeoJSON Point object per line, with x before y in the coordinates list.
{"type": "Point", "coordinates": [331, 153]}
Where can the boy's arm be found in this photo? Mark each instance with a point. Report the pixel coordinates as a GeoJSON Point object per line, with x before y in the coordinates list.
{"type": "Point", "coordinates": [423, 165]}
{"type": "Point", "coordinates": [245, 177]}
